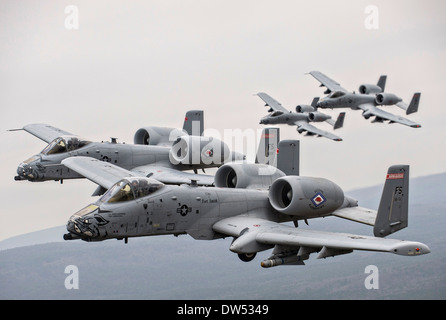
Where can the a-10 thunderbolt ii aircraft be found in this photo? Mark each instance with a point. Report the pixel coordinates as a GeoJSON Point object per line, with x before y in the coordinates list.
{"type": "Point", "coordinates": [369, 98]}
{"type": "Point", "coordinates": [301, 118]}
{"type": "Point", "coordinates": [250, 202]}
{"type": "Point", "coordinates": [161, 152]}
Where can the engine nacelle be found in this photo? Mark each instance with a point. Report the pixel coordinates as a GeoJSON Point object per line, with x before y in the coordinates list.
{"type": "Point", "coordinates": [305, 197]}
{"type": "Point", "coordinates": [304, 108]}
{"type": "Point", "coordinates": [387, 99]}
{"type": "Point", "coordinates": [157, 136]}
{"type": "Point", "coordinates": [246, 175]}
{"type": "Point", "coordinates": [197, 150]}
{"type": "Point", "coordinates": [318, 116]}
{"type": "Point", "coordinates": [369, 88]}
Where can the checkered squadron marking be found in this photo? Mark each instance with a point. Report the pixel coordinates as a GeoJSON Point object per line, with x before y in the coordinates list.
{"type": "Point", "coordinates": [318, 199]}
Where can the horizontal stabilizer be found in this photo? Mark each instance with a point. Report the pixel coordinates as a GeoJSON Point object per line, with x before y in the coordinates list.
{"type": "Point", "coordinates": [357, 214]}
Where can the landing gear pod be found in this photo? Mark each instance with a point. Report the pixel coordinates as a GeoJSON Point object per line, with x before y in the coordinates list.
{"type": "Point", "coordinates": [247, 257]}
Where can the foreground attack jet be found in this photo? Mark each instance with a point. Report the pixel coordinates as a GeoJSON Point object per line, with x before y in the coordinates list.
{"type": "Point", "coordinates": [369, 98]}
{"type": "Point", "coordinates": [301, 118]}
{"type": "Point", "coordinates": [158, 151]}
{"type": "Point", "coordinates": [249, 203]}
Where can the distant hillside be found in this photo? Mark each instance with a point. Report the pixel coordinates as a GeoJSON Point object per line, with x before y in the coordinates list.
{"type": "Point", "coordinates": [38, 237]}
{"type": "Point", "coordinates": [170, 267]}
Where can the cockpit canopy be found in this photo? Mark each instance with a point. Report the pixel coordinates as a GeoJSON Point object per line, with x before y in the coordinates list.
{"type": "Point", "coordinates": [337, 94]}
{"type": "Point", "coordinates": [130, 189]}
{"type": "Point", "coordinates": [276, 113]}
{"type": "Point", "coordinates": [64, 144]}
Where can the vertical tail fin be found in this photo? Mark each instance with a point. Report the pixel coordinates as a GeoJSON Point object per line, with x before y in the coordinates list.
{"type": "Point", "coordinates": [339, 121]}
{"type": "Point", "coordinates": [288, 157]}
{"type": "Point", "coordinates": [267, 150]}
{"type": "Point", "coordinates": [382, 82]}
{"type": "Point", "coordinates": [283, 155]}
{"type": "Point", "coordinates": [394, 206]}
{"type": "Point", "coordinates": [314, 102]}
{"type": "Point", "coordinates": [194, 122]}
{"type": "Point", "coordinates": [413, 106]}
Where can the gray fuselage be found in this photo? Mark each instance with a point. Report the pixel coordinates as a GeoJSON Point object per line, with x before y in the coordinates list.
{"type": "Point", "coordinates": [289, 118]}
{"type": "Point", "coordinates": [169, 210]}
{"type": "Point", "coordinates": [345, 100]}
{"type": "Point", "coordinates": [43, 166]}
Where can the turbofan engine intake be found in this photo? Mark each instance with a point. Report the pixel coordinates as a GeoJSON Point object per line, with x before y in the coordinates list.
{"type": "Point", "coordinates": [246, 175]}
{"type": "Point", "coordinates": [305, 197]}
{"type": "Point", "coordinates": [157, 136]}
{"type": "Point", "coordinates": [304, 108]}
{"type": "Point", "coordinates": [318, 116]}
{"type": "Point", "coordinates": [369, 88]}
{"type": "Point", "coordinates": [387, 99]}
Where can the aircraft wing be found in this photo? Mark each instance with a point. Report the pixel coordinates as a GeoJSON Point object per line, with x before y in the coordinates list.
{"type": "Point", "coordinates": [271, 102]}
{"type": "Point", "coordinates": [370, 109]}
{"type": "Point", "coordinates": [173, 176]}
{"type": "Point", "coordinates": [331, 243]}
{"type": "Point", "coordinates": [106, 174]}
{"type": "Point", "coordinates": [305, 126]}
{"type": "Point", "coordinates": [45, 132]}
{"type": "Point", "coordinates": [250, 232]}
{"type": "Point", "coordinates": [327, 82]}
{"type": "Point", "coordinates": [102, 173]}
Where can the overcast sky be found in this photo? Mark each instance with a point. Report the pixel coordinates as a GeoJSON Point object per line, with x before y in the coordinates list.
{"type": "Point", "coordinates": [130, 64]}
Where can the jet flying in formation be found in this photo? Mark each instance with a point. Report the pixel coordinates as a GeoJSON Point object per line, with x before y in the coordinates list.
{"type": "Point", "coordinates": [250, 202]}
{"type": "Point", "coordinates": [301, 118]}
{"type": "Point", "coordinates": [369, 99]}
{"type": "Point", "coordinates": [161, 152]}
{"type": "Point", "coordinates": [137, 206]}
{"type": "Point", "coordinates": [144, 190]}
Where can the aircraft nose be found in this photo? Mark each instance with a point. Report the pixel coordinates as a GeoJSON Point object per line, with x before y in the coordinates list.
{"type": "Point", "coordinates": [264, 120]}
{"type": "Point", "coordinates": [81, 227]}
{"type": "Point", "coordinates": [28, 169]}
{"type": "Point", "coordinates": [20, 173]}
{"type": "Point", "coordinates": [83, 224]}
{"type": "Point", "coordinates": [73, 231]}
{"type": "Point", "coordinates": [72, 226]}
{"type": "Point", "coordinates": [24, 172]}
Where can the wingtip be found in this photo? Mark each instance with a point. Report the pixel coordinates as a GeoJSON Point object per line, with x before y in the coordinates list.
{"type": "Point", "coordinates": [410, 248]}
